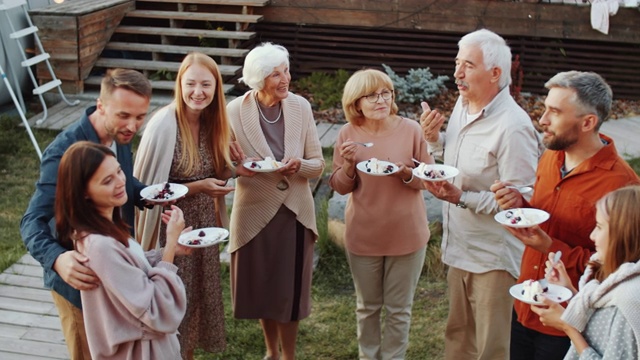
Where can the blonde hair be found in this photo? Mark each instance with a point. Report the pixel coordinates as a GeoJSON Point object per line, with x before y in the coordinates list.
{"type": "Point", "coordinates": [213, 119]}
{"type": "Point", "coordinates": [127, 79]}
{"type": "Point", "coordinates": [620, 208]}
{"type": "Point", "coordinates": [362, 83]}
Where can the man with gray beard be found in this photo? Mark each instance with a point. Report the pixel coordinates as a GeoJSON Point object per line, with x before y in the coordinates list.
{"type": "Point", "coordinates": [580, 166]}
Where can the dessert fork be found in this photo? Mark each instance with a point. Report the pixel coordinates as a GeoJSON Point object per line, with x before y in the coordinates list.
{"type": "Point", "coordinates": [544, 282]}
{"type": "Point", "coordinates": [367, 144]}
{"type": "Point", "coordinates": [521, 189]}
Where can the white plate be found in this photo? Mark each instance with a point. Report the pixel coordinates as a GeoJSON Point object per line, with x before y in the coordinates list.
{"type": "Point", "coordinates": [364, 167]}
{"type": "Point", "coordinates": [251, 165]}
{"type": "Point", "coordinates": [150, 192]}
{"type": "Point", "coordinates": [444, 172]}
{"type": "Point", "coordinates": [555, 293]}
{"type": "Point", "coordinates": [203, 237]}
{"type": "Point", "coordinates": [534, 217]}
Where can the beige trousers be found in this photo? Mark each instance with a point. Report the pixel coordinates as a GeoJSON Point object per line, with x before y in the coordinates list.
{"type": "Point", "coordinates": [479, 322]}
{"type": "Point", "coordinates": [72, 328]}
{"type": "Point", "coordinates": [389, 282]}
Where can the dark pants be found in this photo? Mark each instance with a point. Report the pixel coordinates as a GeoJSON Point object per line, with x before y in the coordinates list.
{"type": "Point", "coordinates": [527, 344]}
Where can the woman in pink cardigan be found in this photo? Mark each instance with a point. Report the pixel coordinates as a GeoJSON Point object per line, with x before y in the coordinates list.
{"type": "Point", "coordinates": [386, 219]}
{"type": "Point", "coordinates": [135, 311]}
{"type": "Point", "coordinates": [273, 223]}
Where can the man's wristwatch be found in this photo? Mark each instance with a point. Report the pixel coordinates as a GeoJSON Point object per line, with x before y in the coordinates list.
{"type": "Point", "coordinates": [461, 204]}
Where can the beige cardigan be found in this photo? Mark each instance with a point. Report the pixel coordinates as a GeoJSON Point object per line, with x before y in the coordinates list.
{"type": "Point", "coordinates": [257, 199]}
{"type": "Point", "coordinates": [152, 166]}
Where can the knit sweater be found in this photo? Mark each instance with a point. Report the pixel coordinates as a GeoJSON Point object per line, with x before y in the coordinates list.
{"type": "Point", "coordinates": [258, 198]}
{"type": "Point", "coordinates": [384, 216]}
{"type": "Point", "coordinates": [620, 289]}
{"type": "Point", "coordinates": [135, 311]}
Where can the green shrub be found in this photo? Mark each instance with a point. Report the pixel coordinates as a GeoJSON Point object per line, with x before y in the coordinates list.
{"type": "Point", "coordinates": [635, 164]}
{"type": "Point", "coordinates": [163, 74]}
{"type": "Point", "coordinates": [324, 90]}
{"type": "Point", "coordinates": [418, 85]}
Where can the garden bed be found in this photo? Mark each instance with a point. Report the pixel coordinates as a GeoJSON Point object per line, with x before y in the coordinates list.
{"type": "Point", "coordinates": [533, 104]}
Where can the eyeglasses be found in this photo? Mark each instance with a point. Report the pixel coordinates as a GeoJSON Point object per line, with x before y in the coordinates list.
{"type": "Point", "coordinates": [373, 98]}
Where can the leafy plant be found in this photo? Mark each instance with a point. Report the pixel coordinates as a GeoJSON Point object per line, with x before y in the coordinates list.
{"type": "Point", "coordinates": [324, 89]}
{"type": "Point", "coordinates": [213, 42]}
{"type": "Point", "coordinates": [418, 85]}
{"type": "Point", "coordinates": [163, 74]}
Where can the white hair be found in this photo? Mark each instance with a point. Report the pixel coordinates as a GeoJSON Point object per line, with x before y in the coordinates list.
{"type": "Point", "coordinates": [260, 63]}
{"type": "Point", "coordinates": [495, 52]}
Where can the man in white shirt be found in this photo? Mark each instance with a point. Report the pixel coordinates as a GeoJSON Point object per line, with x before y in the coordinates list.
{"type": "Point", "coordinates": [488, 138]}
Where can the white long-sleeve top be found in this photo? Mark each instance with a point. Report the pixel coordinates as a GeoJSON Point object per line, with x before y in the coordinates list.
{"type": "Point", "coordinates": [500, 143]}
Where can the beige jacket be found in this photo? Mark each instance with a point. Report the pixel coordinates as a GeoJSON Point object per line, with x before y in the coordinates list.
{"type": "Point", "coordinates": [257, 199]}
{"type": "Point", "coordinates": [152, 166]}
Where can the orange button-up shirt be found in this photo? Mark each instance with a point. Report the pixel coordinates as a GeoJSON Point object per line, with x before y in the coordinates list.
{"type": "Point", "coordinates": [571, 203]}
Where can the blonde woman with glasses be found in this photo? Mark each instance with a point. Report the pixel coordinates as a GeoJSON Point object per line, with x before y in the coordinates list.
{"type": "Point", "coordinates": [386, 219]}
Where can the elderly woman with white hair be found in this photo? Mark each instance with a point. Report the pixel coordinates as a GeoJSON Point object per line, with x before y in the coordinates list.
{"type": "Point", "coordinates": [273, 225]}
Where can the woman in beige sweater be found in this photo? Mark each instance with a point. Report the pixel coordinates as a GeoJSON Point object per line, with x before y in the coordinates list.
{"type": "Point", "coordinates": [273, 224]}
{"type": "Point", "coordinates": [386, 219]}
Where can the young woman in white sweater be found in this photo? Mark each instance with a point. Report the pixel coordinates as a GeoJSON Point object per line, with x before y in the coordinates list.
{"type": "Point", "coordinates": [602, 320]}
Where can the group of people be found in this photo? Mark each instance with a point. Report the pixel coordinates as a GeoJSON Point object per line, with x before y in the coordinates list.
{"type": "Point", "coordinates": [493, 144]}
{"type": "Point", "coordinates": [125, 288]}
{"type": "Point", "coordinates": [123, 285]}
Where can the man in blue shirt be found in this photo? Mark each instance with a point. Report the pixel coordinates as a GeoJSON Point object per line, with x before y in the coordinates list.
{"type": "Point", "coordinates": [119, 112]}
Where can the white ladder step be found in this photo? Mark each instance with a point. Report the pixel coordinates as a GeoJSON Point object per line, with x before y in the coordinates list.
{"type": "Point", "coordinates": [36, 59]}
{"type": "Point", "coordinates": [46, 87]}
{"type": "Point", "coordinates": [24, 32]}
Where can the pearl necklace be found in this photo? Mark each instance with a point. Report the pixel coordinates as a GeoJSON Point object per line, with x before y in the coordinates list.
{"type": "Point", "coordinates": [264, 117]}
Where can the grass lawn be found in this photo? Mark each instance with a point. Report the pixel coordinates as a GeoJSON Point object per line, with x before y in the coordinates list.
{"type": "Point", "coordinates": [330, 331]}
{"type": "Point", "coordinates": [19, 170]}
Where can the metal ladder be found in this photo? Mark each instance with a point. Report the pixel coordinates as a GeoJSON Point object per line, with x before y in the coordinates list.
{"type": "Point", "coordinates": [43, 56]}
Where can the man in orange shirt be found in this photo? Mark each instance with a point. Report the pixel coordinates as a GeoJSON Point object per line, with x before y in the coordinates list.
{"type": "Point", "coordinates": [578, 168]}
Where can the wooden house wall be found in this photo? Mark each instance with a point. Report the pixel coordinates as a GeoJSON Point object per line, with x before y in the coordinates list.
{"type": "Point", "coordinates": [407, 34]}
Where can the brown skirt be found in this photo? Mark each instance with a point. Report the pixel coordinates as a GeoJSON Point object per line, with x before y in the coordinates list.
{"type": "Point", "coordinates": [271, 275]}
